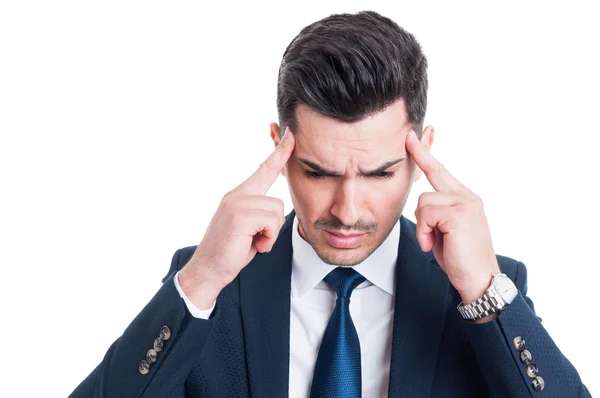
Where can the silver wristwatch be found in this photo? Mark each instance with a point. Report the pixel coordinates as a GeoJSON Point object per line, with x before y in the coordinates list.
{"type": "Point", "coordinates": [498, 296]}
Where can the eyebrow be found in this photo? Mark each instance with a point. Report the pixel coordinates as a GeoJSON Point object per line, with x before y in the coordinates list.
{"type": "Point", "coordinates": [331, 173]}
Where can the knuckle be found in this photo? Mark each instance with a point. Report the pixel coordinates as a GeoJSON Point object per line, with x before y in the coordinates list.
{"type": "Point", "coordinates": [274, 219]}
{"type": "Point", "coordinates": [262, 168]}
{"type": "Point", "coordinates": [422, 199]}
{"type": "Point", "coordinates": [280, 206]}
{"type": "Point", "coordinates": [224, 206]}
{"type": "Point", "coordinates": [276, 226]}
{"type": "Point", "coordinates": [478, 200]}
{"type": "Point", "coordinates": [265, 167]}
{"type": "Point", "coordinates": [233, 218]}
{"type": "Point", "coordinates": [421, 213]}
{"type": "Point", "coordinates": [461, 212]}
{"type": "Point", "coordinates": [226, 203]}
{"type": "Point", "coordinates": [228, 197]}
{"type": "Point", "coordinates": [439, 168]}
{"type": "Point", "coordinates": [276, 205]}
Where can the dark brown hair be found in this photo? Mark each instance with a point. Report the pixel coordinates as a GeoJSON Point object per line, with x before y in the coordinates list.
{"type": "Point", "coordinates": [349, 66]}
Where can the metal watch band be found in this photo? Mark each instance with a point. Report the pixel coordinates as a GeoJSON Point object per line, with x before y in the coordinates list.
{"type": "Point", "coordinates": [489, 303]}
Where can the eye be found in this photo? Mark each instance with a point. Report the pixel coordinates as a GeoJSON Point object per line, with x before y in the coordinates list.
{"type": "Point", "coordinates": [312, 174]}
{"type": "Point", "coordinates": [384, 174]}
{"type": "Point", "coordinates": [317, 176]}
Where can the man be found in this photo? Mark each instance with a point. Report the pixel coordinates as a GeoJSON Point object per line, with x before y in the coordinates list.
{"type": "Point", "coordinates": [343, 297]}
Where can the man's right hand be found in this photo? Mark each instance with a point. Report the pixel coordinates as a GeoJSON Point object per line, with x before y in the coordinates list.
{"type": "Point", "coordinates": [246, 222]}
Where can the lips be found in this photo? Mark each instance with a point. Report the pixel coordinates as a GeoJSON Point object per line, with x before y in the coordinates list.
{"type": "Point", "coordinates": [344, 241]}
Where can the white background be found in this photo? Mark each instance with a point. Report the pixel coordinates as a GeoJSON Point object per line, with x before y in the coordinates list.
{"type": "Point", "coordinates": [123, 123]}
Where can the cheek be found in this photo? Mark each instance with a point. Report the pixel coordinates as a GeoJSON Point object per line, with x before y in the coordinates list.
{"type": "Point", "coordinates": [388, 194]}
{"type": "Point", "coordinates": [304, 192]}
{"type": "Point", "coordinates": [389, 198]}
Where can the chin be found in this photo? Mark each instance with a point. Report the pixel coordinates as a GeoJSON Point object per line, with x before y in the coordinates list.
{"type": "Point", "coordinates": [346, 257]}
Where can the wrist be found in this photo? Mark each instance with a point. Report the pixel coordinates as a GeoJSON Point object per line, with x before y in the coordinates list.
{"type": "Point", "coordinates": [472, 288]}
{"type": "Point", "coordinates": [202, 292]}
{"type": "Point", "coordinates": [477, 288]}
{"type": "Point", "coordinates": [485, 308]}
{"type": "Point", "coordinates": [488, 318]}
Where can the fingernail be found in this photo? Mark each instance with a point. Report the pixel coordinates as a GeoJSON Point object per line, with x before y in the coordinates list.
{"type": "Point", "coordinates": [285, 133]}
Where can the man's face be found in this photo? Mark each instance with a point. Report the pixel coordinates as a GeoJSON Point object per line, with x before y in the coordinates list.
{"type": "Point", "coordinates": [350, 179]}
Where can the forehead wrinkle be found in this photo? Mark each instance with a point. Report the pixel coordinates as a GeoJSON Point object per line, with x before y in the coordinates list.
{"type": "Point", "coordinates": [344, 160]}
{"type": "Point", "coordinates": [331, 155]}
{"type": "Point", "coordinates": [352, 164]}
{"type": "Point", "coordinates": [342, 153]}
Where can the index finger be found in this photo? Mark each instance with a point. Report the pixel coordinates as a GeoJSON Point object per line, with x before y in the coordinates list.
{"type": "Point", "coordinates": [266, 174]}
{"type": "Point", "coordinates": [438, 176]}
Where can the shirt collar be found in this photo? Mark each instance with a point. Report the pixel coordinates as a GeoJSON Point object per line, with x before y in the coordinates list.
{"type": "Point", "coordinates": [308, 269]}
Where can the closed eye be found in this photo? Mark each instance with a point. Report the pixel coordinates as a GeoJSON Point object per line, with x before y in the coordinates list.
{"type": "Point", "coordinates": [384, 174]}
{"type": "Point", "coordinates": [318, 176]}
{"type": "Point", "coordinates": [312, 174]}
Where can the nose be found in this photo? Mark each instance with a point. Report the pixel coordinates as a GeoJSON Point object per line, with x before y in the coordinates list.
{"type": "Point", "coordinates": [347, 206]}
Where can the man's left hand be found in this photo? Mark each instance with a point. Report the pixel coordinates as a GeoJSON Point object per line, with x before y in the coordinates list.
{"type": "Point", "coordinates": [452, 223]}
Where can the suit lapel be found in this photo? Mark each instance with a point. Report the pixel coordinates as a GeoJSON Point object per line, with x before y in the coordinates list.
{"type": "Point", "coordinates": [265, 303]}
{"type": "Point", "coordinates": [419, 316]}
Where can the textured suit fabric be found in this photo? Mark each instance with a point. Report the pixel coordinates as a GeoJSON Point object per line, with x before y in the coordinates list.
{"type": "Point", "coordinates": [312, 302]}
{"type": "Point", "coordinates": [435, 353]}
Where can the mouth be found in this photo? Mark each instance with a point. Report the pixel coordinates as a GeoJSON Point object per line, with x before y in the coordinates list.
{"type": "Point", "coordinates": [344, 241]}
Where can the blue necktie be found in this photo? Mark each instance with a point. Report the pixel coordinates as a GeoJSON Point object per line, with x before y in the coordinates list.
{"type": "Point", "coordinates": [337, 371]}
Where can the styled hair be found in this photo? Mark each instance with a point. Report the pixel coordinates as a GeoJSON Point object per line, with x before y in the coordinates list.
{"type": "Point", "coordinates": [350, 66]}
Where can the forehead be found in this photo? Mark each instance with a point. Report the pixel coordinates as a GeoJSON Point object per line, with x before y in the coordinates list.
{"type": "Point", "coordinates": [376, 138]}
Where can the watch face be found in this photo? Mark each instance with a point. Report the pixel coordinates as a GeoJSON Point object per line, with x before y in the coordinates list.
{"type": "Point", "coordinates": [505, 287]}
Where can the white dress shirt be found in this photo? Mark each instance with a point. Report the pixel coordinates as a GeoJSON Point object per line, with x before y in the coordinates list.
{"type": "Point", "coordinates": [312, 302]}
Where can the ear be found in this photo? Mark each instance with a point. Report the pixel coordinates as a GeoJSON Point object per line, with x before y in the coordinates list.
{"type": "Point", "coordinates": [275, 136]}
{"type": "Point", "coordinates": [427, 141]}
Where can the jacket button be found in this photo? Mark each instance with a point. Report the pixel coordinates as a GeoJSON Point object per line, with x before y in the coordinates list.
{"type": "Point", "coordinates": [144, 367]}
{"type": "Point", "coordinates": [151, 356]}
{"type": "Point", "coordinates": [519, 343]}
{"type": "Point", "coordinates": [525, 357]}
{"type": "Point", "coordinates": [537, 383]}
{"type": "Point", "coordinates": [165, 333]}
{"type": "Point", "coordinates": [532, 370]}
{"type": "Point", "coordinates": [158, 344]}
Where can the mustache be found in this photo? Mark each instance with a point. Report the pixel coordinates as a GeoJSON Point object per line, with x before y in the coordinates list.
{"type": "Point", "coordinates": [335, 224]}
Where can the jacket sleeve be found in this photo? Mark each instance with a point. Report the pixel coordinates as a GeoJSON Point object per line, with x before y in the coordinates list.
{"type": "Point", "coordinates": [183, 337]}
{"type": "Point", "coordinates": [516, 354]}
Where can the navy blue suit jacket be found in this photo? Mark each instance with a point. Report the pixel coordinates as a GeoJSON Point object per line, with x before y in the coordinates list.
{"type": "Point", "coordinates": [243, 349]}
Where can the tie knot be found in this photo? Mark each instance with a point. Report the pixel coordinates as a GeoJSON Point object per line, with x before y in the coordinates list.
{"type": "Point", "coordinates": [344, 280]}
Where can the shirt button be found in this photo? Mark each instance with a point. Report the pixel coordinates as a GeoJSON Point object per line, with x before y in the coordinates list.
{"type": "Point", "coordinates": [525, 357]}
{"type": "Point", "coordinates": [151, 356]}
{"type": "Point", "coordinates": [532, 370]}
{"type": "Point", "coordinates": [144, 367]}
{"type": "Point", "coordinates": [165, 333]}
{"type": "Point", "coordinates": [537, 383]}
{"type": "Point", "coordinates": [158, 344]}
{"type": "Point", "coordinates": [519, 343]}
